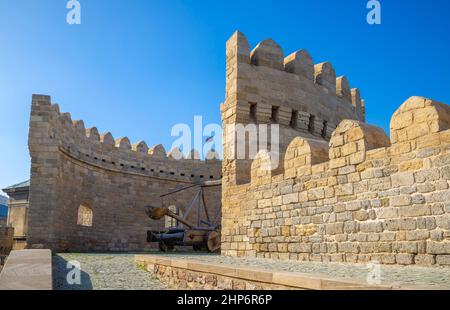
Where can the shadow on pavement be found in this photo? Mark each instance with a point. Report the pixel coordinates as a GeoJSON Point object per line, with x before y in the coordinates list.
{"type": "Point", "coordinates": [64, 272]}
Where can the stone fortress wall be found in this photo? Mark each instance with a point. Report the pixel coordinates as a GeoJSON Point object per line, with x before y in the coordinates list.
{"type": "Point", "coordinates": [264, 87]}
{"type": "Point", "coordinates": [344, 194]}
{"type": "Point", "coordinates": [343, 190]}
{"type": "Point", "coordinates": [6, 240]}
{"type": "Point", "coordinates": [88, 191]}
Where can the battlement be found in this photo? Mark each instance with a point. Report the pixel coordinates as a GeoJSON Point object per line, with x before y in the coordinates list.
{"type": "Point", "coordinates": [293, 84]}
{"type": "Point", "coordinates": [88, 145]}
{"type": "Point", "coordinates": [418, 123]}
{"type": "Point", "coordinates": [361, 196]}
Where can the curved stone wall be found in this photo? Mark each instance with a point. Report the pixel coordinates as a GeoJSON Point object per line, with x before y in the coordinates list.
{"type": "Point", "coordinates": [74, 166]}
{"type": "Point", "coordinates": [372, 199]}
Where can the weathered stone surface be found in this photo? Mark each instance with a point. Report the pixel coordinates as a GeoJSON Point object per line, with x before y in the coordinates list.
{"type": "Point", "coordinates": [300, 63]}
{"type": "Point", "coordinates": [424, 259]}
{"type": "Point", "coordinates": [27, 270]}
{"type": "Point", "coordinates": [443, 260]}
{"type": "Point", "coordinates": [438, 247]}
{"type": "Point", "coordinates": [336, 189]}
{"type": "Point", "coordinates": [405, 259]}
{"type": "Point", "coordinates": [72, 167]}
{"type": "Point", "coordinates": [212, 273]}
{"type": "Point", "coordinates": [388, 202]}
{"type": "Point", "coordinates": [6, 239]}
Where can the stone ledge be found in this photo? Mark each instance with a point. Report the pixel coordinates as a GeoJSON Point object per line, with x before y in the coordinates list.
{"type": "Point", "coordinates": [258, 277]}
{"type": "Point", "coordinates": [27, 270]}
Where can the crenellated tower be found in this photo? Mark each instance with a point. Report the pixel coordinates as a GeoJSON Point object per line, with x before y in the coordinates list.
{"type": "Point", "coordinates": [342, 191]}
{"type": "Point", "coordinates": [265, 87]}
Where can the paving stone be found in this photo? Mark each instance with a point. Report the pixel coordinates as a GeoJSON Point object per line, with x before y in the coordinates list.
{"type": "Point", "coordinates": [408, 275]}
{"type": "Point", "coordinates": [103, 272]}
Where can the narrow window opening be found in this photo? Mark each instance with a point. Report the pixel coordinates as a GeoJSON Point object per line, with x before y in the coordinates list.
{"type": "Point", "coordinates": [294, 119]}
{"type": "Point", "coordinates": [171, 222]}
{"type": "Point", "coordinates": [253, 111]}
{"type": "Point", "coordinates": [274, 117]}
{"type": "Point", "coordinates": [311, 123]}
{"type": "Point", "coordinates": [85, 216]}
{"type": "Point", "coordinates": [324, 129]}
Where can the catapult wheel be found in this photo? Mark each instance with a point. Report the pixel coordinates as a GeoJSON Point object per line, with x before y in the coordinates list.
{"type": "Point", "coordinates": [197, 247]}
{"type": "Point", "coordinates": [213, 242]}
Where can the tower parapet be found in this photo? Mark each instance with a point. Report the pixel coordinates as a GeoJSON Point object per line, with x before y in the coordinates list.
{"type": "Point", "coordinates": [265, 87]}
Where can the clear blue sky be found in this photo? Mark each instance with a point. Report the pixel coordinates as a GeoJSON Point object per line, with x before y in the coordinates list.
{"type": "Point", "coordinates": [136, 68]}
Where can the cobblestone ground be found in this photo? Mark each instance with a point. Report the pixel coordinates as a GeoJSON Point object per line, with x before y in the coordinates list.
{"type": "Point", "coordinates": [118, 271]}
{"type": "Point", "coordinates": [103, 272]}
{"type": "Point", "coordinates": [404, 276]}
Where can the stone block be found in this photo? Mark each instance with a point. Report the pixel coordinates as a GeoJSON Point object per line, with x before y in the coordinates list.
{"type": "Point", "coordinates": [443, 221]}
{"type": "Point", "coordinates": [445, 173]}
{"type": "Point", "coordinates": [428, 175]}
{"type": "Point", "coordinates": [437, 235]}
{"type": "Point", "coordinates": [334, 228]}
{"type": "Point", "coordinates": [299, 248]}
{"type": "Point", "coordinates": [387, 213]}
{"type": "Point", "coordinates": [417, 235]}
{"type": "Point", "coordinates": [348, 247]}
{"type": "Point", "coordinates": [344, 189]}
{"type": "Point", "coordinates": [443, 260]}
{"type": "Point", "coordinates": [316, 194]}
{"type": "Point", "coordinates": [402, 179]}
{"type": "Point", "coordinates": [404, 259]}
{"type": "Point", "coordinates": [370, 227]}
{"type": "Point", "coordinates": [414, 210]}
{"type": "Point", "coordinates": [424, 259]}
{"type": "Point", "coordinates": [400, 224]}
{"type": "Point", "coordinates": [438, 247]}
{"type": "Point", "coordinates": [426, 223]}
{"type": "Point", "coordinates": [290, 198]}
{"type": "Point", "coordinates": [400, 201]}
{"type": "Point", "coordinates": [405, 247]}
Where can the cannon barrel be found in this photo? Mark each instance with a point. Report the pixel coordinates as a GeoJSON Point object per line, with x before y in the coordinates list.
{"type": "Point", "coordinates": [166, 237]}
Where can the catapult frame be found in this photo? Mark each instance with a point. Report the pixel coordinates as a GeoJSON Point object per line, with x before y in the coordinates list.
{"type": "Point", "coordinates": [203, 234]}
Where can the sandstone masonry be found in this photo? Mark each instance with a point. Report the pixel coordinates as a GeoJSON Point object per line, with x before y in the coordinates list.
{"type": "Point", "coordinates": [88, 191]}
{"type": "Point", "coordinates": [344, 193]}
